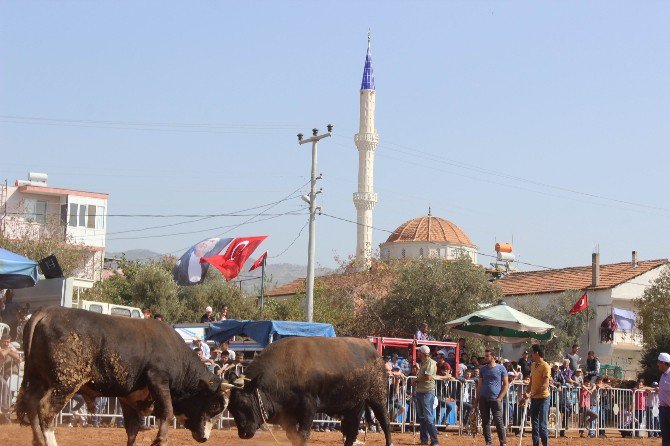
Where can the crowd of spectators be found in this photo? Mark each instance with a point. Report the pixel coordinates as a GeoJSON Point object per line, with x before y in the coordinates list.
{"type": "Point", "coordinates": [576, 385]}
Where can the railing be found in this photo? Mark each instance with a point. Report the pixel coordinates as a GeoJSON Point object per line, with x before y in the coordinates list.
{"type": "Point", "coordinates": [11, 375]}
{"type": "Point", "coordinates": [630, 412]}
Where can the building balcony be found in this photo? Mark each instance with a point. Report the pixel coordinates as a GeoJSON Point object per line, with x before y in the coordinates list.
{"type": "Point", "coordinates": [628, 339]}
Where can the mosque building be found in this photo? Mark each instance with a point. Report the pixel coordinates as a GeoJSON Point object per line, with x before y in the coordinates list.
{"type": "Point", "coordinates": [426, 236]}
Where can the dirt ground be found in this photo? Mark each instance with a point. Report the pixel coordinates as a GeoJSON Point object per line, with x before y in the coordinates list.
{"type": "Point", "coordinates": [15, 435]}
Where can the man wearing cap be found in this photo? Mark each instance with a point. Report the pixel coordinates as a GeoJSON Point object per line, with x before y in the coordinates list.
{"type": "Point", "coordinates": [491, 389]}
{"type": "Point", "coordinates": [207, 317]}
{"type": "Point", "coordinates": [664, 397]}
{"type": "Point", "coordinates": [539, 396]}
{"type": "Point", "coordinates": [425, 397]}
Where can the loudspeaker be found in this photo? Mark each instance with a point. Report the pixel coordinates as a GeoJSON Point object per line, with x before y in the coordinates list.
{"type": "Point", "coordinates": [50, 267]}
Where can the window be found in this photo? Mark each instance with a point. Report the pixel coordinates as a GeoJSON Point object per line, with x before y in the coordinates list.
{"type": "Point", "coordinates": [82, 215]}
{"type": "Point", "coordinates": [100, 218]}
{"type": "Point", "coordinates": [95, 308]}
{"type": "Point", "coordinates": [118, 311]}
{"type": "Point", "coordinates": [63, 214]}
{"type": "Point", "coordinates": [73, 214]}
{"type": "Point", "coordinates": [91, 217]}
{"type": "Point", "coordinates": [35, 210]}
{"type": "Point", "coordinates": [136, 314]}
{"type": "Point", "coordinates": [403, 253]}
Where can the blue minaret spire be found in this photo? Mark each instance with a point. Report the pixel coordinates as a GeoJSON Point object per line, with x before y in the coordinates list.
{"type": "Point", "coordinates": [368, 82]}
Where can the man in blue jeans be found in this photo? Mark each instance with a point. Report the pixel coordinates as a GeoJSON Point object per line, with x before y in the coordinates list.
{"type": "Point", "coordinates": [491, 389]}
{"type": "Point", "coordinates": [539, 396]}
{"type": "Point", "coordinates": [425, 397]}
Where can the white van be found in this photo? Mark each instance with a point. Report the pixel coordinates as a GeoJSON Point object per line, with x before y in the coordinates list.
{"type": "Point", "coordinates": [112, 309]}
{"type": "Point", "coordinates": [59, 292]}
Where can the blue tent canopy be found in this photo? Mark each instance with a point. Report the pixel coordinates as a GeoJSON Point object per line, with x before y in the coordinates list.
{"type": "Point", "coordinates": [265, 332]}
{"type": "Point", "coordinates": [17, 271]}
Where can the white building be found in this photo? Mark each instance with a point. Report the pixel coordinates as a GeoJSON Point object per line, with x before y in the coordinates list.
{"type": "Point", "coordinates": [30, 208]}
{"type": "Point", "coordinates": [366, 141]}
{"type": "Point", "coordinates": [615, 285]}
{"type": "Point", "coordinates": [428, 236]}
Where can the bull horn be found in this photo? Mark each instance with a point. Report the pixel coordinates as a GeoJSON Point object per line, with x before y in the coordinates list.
{"type": "Point", "coordinates": [225, 385]}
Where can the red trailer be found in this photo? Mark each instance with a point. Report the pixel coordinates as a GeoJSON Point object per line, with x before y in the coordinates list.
{"type": "Point", "coordinates": [410, 345]}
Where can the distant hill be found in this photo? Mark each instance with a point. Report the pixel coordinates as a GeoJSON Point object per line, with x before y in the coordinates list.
{"type": "Point", "coordinates": [286, 272]}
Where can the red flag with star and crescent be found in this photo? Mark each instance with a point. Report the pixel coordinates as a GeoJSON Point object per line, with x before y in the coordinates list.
{"type": "Point", "coordinates": [239, 250]}
{"type": "Point", "coordinates": [581, 305]}
{"type": "Point", "coordinates": [259, 261]}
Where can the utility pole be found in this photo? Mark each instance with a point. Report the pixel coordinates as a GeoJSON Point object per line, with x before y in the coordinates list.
{"type": "Point", "coordinates": [311, 200]}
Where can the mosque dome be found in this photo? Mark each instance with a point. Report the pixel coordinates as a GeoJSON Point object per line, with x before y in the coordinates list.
{"type": "Point", "coordinates": [428, 236]}
{"type": "Point", "coordinates": [430, 229]}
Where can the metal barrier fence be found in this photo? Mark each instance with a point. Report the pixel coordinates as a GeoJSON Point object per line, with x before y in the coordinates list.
{"type": "Point", "coordinates": [590, 412]}
{"type": "Point", "coordinates": [11, 375]}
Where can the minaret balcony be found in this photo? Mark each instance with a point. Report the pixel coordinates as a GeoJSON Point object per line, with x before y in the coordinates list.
{"type": "Point", "coordinates": [365, 200]}
{"type": "Point", "coordinates": [366, 141]}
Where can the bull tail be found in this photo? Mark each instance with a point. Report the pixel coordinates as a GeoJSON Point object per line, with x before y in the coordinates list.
{"type": "Point", "coordinates": [28, 331]}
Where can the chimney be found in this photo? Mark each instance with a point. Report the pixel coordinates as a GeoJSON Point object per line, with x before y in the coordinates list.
{"type": "Point", "coordinates": [633, 260]}
{"type": "Point", "coordinates": [595, 269]}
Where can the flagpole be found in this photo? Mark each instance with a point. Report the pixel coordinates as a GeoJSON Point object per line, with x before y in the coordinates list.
{"type": "Point", "coordinates": [588, 329]}
{"type": "Point", "coordinates": [262, 283]}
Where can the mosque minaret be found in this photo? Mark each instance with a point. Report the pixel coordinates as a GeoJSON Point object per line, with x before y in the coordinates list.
{"type": "Point", "coordinates": [366, 142]}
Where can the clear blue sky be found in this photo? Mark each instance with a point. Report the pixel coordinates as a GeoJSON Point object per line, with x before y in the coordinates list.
{"type": "Point", "coordinates": [194, 108]}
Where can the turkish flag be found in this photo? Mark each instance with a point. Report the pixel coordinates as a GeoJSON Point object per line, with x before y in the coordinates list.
{"type": "Point", "coordinates": [259, 261]}
{"type": "Point", "coordinates": [230, 263]}
{"type": "Point", "coordinates": [581, 305]}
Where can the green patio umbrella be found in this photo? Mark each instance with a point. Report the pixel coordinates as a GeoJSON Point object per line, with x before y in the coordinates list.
{"type": "Point", "coordinates": [502, 323]}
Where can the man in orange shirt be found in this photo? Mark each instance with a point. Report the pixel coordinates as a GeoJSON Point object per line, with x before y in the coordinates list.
{"type": "Point", "coordinates": [539, 396]}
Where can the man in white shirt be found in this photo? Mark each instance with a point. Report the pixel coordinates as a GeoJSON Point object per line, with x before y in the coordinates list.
{"type": "Point", "coordinates": [197, 343]}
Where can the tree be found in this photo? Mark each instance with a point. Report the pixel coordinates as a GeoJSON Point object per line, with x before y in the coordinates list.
{"type": "Point", "coordinates": [150, 284]}
{"type": "Point", "coordinates": [37, 241]}
{"type": "Point", "coordinates": [653, 319]}
{"type": "Point", "coordinates": [554, 311]}
{"type": "Point", "coordinates": [434, 291]}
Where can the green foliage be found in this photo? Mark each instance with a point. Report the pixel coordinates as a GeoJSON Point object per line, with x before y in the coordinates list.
{"type": "Point", "coordinates": [569, 328]}
{"type": "Point", "coordinates": [649, 361]}
{"type": "Point", "coordinates": [434, 291]}
{"type": "Point", "coordinates": [41, 241]}
{"type": "Point", "coordinates": [653, 314]}
{"type": "Point", "coordinates": [653, 319]}
{"type": "Point", "coordinates": [150, 284]}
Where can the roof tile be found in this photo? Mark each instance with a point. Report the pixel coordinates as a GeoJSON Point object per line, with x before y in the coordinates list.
{"type": "Point", "coordinates": [574, 278]}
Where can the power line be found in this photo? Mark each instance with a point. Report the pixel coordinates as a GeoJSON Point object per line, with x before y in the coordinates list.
{"type": "Point", "coordinates": [261, 129]}
{"type": "Point", "coordinates": [203, 217]}
{"type": "Point", "coordinates": [251, 220]}
{"type": "Point", "coordinates": [478, 253]}
{"type": "Point", "coordinates": [416, 153]}
{"type": "Point", "coordinates": [287, 197]}
{"type": "Point", "coordinates": [292, 243]}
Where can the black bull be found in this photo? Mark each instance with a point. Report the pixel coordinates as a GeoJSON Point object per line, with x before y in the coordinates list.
{"type": "Point", "coordinates": [295, 378]}
{"type": "Point", "coordinates": [143, 362]}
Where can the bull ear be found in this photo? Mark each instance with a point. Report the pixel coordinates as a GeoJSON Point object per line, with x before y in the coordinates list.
{"type": "Point", "coordinates": [204, 385]}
